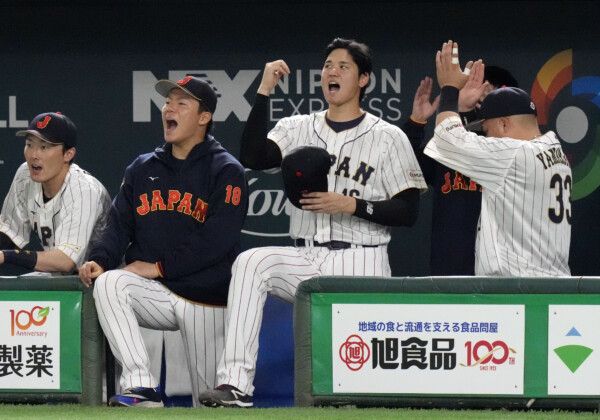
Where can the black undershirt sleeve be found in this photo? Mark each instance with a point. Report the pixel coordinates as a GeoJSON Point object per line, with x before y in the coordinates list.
{"type": "Point", "coordinates": [416, 134]}
{"type": "Point", "coordinates": [401, 210]}
{"type": "Point", "coordinates": [6, 242]}
{"type": "Point", "coordinates": [468, 117]}
{"type": "Point", "coordinates": [257, 151]}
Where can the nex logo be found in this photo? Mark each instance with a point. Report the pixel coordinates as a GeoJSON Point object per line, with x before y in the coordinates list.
{"type": "Point", "coordinates": [231, 90]}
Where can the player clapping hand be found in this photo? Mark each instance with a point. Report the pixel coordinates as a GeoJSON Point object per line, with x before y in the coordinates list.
{"type": "Point", "coordinates": [452, 79]}
{"type": "Point", "coordinates": [474, 90]}
{"type": "Point", "coordinates": [448, 68]}
{"type": "Point", "coordinates": [422, 107]}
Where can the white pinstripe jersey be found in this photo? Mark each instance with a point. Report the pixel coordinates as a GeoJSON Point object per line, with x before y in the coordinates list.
{"type": "Point", "coordinates": [71, 221]}
{"type": "Point", "coordinates": [525, 222]}
{"type": "Point", "coordinates": [373, 161]}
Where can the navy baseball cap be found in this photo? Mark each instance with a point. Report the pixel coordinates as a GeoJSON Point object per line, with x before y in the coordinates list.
{"type": "Point", "coordinates": [197, 88]}
{"type": "Point", "coordinates": [305, 170]}
{"type": "Point", "coordinates": [52, 127]}
{"type": "Point", "coordinates": [504, 102]}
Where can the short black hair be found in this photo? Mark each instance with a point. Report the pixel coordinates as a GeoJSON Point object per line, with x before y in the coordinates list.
{"type": "Point", "coordinates": [499, 77]}
{"type": "Point", "coordinates": [203, 108]}
{"type": "Point", "coordinates": [360, 53]}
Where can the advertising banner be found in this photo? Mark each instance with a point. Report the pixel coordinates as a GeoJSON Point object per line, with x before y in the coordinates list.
{"type": "Point", "coordinates": [447, 349]}
{"type": "Point", "coordinates": [40, 341]}
{"type": "Point", "coordinates": [31, 346]}
{"type": "Point", "coordinates": [573, 350]}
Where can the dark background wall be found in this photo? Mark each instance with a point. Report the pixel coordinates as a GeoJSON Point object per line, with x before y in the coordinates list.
{"type": "Point", "coordinates": [97, 62]}
{"type": "Point", "coordinates": [80, 57]}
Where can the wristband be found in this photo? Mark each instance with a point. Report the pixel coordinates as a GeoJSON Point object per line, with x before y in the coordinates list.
{"type": "Point", "coordinates": [417, 122]}
{"type": "Point", "coordinates": [448, 99]}
{"type": "Point", "coordinates": [364, 209]}
{"type": "Point", "coordinates": [161, 271]}
{"type": "Point", "coordinates": [27, 259]}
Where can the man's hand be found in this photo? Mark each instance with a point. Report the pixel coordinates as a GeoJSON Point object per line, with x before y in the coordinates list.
{"type": "Point", "coordinates": [328, 202]}
{"type": "Point", "coordinates": [448, 68]}
{"type": "Point", "coordinates": [273, 72]}
{"type": "Point", "coordinates": [487, 88]}
{"type": "Point", "coordinates": [143, 269]}
{"type": "Point", "coordinates": [422, 107]}
{"type": "Point", "coordinates": [474, 90]}
{"type": "Point", "coordinates": [89, 271]}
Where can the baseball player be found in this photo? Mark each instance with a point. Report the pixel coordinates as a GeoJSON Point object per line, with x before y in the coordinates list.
{"type": "Point", "coordinates": [50, 195]}
{"type": "Point", "coordinates": [374, 182]}
{"type": "Point", "coordinates": [456, 198]}
{"type": "Point", "coordinates": [177, 219]}
{"type": "Point", "coordinates": [525, 223]}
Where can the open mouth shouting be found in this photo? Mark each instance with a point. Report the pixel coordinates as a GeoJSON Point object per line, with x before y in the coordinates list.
{"type": "Point", "coordinates": [333, 87]}
{"type": "Point", "coordinates": [170, 125]}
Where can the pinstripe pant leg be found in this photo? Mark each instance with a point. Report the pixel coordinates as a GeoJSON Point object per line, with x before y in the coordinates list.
{"type": "Point", "coordinates": [358, 262]}
{"type": "Point", "coordinates": [126, 301]}
{"type": "Point", "coordinates": [202, 328]}
{"type": "Point", "coordinates": [256, 272]}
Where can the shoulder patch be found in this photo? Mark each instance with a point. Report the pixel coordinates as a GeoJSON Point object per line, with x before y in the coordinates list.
{"type": "Point", "coordinates": [415, 175]}
{"type": "Point", "coordinates": [454, 125]}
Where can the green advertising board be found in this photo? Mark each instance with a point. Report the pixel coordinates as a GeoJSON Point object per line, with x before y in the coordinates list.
{"type": "Point", "coordinates": [480, 342]}
{"type": "Point", "coordinates": [21, 354]}
{"type": "Point", "coordinates": [535, 332]}
{"type": "Point", "coordinates": [51, 344]}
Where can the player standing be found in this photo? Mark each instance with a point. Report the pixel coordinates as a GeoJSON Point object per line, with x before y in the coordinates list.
{"type": "Point", "coordinates": [456, 198]}
{"type": "Point", "coordinates": [374, 182]}
{"type": "Point", "coordinates": [525, 223]}
{"type": "Point", "coordinates": [50, 195]}
{"type": "Point", "coordinates": [177, 219]}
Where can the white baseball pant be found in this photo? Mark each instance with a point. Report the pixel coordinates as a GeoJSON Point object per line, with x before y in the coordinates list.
{"type": "Point", "coordinates": [126, 301]}
{"type": "Point", "coordinates": [278, 271]}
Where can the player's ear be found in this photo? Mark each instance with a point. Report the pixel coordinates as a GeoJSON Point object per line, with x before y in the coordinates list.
{"type": "Point", "coordinates": [363, 80]}
{"type": "Point", "coordinates": [504, 124]}
{"type": "Point", "coordinates": [69, 154]}
{"type": "Point", "coordinates": [204, 118]}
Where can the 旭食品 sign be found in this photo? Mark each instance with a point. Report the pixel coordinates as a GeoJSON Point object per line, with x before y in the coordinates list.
{"type": "Point", "coordinates": [428, 348]}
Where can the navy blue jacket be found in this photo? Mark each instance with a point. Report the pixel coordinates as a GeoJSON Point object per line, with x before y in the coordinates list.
{"type": "Point", "coordinates": [456, 209]}
{"type": "Point", "coordinates": [185, 215]}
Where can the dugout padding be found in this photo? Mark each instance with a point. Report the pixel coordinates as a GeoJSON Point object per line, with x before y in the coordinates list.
{"type": "Point", "coordinates": [92, 341]}
{"type": "Point", "coordinates": [542, 289]}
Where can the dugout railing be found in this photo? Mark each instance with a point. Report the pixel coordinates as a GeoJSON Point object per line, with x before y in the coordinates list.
{"type": "Point", "coordinates": [524, 343]}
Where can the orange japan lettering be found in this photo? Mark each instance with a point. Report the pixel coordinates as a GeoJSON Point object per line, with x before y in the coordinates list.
{"type": "Point", "coordinates": [473, 186]}
{"type": "Point", "coordinates": [200, 211]}
{"type": "Point", "coordinates": [459, 182]}
{"type": "Point", "coordinates": [446, 187]}
{"type": "Point", "coordinates": [185, 205]}
{"type": "Point", "coordinates": [174, 197]}
{"type": "Point", "coordinates": [157, 201]}
{"type": "Point", "coordinates": [145, 207]}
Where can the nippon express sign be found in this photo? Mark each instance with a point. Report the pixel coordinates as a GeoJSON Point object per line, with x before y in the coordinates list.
{"type": "Point", "coordinates": [428, 349]}
{"type": "Point", "coordinates": [29, 345]}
